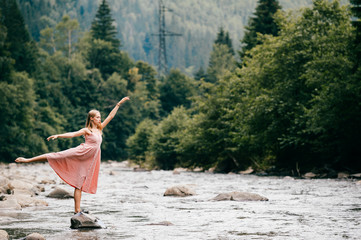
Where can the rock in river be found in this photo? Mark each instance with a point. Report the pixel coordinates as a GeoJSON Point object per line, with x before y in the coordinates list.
{"type": "Point", "coordinates": [60, 193]}
{"type": "Point", "coordinates": [4, 235]}
{"type": "Point", "coordinates": [239, 196]}
{"type": "Point", "coordinates": [83, 220]}
{"type": "Point", "coordinates": [34, 236]}
{"type": "Point", "coordinates": [179, 191]}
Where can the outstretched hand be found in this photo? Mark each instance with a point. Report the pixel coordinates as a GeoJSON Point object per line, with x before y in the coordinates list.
{"type": "Point", "coordinates": [124, 99]}
{"type": "Point", "coordinates": [52, 137]}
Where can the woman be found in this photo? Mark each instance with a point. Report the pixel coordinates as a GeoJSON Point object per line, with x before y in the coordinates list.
{"type": "Point", "coordinates": [79, 166]}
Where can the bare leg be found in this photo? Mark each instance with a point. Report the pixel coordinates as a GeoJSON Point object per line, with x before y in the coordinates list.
{"type": "Point", "coordinates": [77, 198]}
{"type": "Point", "coordinates": [40, 158]}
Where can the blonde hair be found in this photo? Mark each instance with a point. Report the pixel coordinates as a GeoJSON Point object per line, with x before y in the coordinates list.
{"type": "Point", "coordinates": [89, 123]}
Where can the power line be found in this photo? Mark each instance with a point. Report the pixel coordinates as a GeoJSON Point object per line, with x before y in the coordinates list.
{"type": "Point", "coordinates": [162, 34]}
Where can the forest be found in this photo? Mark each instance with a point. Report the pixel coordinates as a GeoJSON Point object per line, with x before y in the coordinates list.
{"type": "Point", "coordinates": [198, 22]}
{"type": "Point", "coordinates": [286, 101]}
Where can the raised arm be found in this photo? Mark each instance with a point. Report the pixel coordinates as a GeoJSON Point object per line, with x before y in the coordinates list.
{"type": "Point", "coordinates": [114, 111]}
{"type": "Point", "coordinates": [83, 131]}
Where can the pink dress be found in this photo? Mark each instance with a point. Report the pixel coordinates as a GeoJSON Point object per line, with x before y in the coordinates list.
{"type": "Point", "coordinates": [79, 166]}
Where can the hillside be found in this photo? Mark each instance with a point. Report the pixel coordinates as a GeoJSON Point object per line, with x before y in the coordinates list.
{"type": "Point", "coordinates": [197, 20]}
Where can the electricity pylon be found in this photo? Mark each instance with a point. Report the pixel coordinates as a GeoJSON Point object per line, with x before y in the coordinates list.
{"type": "Point", "coordinates": [162, 34]}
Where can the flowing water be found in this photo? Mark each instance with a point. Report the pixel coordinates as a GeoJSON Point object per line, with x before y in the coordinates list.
{"type": "Point", "coordinates": [130, 203]}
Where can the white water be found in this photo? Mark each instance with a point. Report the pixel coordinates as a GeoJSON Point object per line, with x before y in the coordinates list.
{"type": "Point", "coordinates": [128, 202]}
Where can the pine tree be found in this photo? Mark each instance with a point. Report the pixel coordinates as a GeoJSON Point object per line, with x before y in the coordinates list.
{"type": "Point", "coordinates": [6, 62]}
{"type": "Point", "coordinates": [356, 10]}
{"type": "Point", "coordinates": [102, 26]}
{"type": "Point", "coordinates": [224, 38]}
{"type": "Point", "coordinates": [18, 42]}
{"type": "Point", "coordinates": [104, 53]}
{"type": "Point", "coordinates": [262, 22]}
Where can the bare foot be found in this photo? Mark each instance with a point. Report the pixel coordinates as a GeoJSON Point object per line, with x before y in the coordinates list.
{"type": "Point", "coordinates": [21, 160]}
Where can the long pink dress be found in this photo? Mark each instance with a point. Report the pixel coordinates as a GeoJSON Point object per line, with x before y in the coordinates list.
{"type": "Point", "coordinates": [79, 166]}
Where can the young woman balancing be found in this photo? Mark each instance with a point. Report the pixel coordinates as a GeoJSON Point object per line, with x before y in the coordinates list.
{"type": "Point", "coordinates": [79, 166]}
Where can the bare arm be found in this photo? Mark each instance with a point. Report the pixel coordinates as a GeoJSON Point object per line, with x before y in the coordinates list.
{"type": "Point", "coordinates": [83, 131]}
{"type": "Point", "coordinates": [113, 112]}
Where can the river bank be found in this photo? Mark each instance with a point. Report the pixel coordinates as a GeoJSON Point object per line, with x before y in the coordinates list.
{"type": "Point", "coordinates": [131, 204]}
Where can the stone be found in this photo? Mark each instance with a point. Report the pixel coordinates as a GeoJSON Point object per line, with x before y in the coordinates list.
{"type": "Point", "coordinates": [27, 201]}
{"type": "Point", "coordinates": [179, 191]}
{"type": "Point", "coordinates": [248, 171]}
{"type": "Point", "coordinates": [358, 182]}
{"type": "Point", "coordinates": [356, 175]}
{"type": "Point", "coordinates": [288, 178]}
{"type": "Point", "coordinates": [35, 236]}
{"type": "Point", "coordinates": [5, 186]}
{"type": "Point", "coordinates": [60, 193]}
{"type": "Point", "coordinates": [310, 175]}
{"type": "Point", "coordinates": [164, 223]}
{"type": "Point", "coordinates": [175, 172]}
{"type": "Point", "coordinates": [343, 175]}
{"type": "Point", "coordinates": [83, 220]}
{"type": "Point", "coordinates": [4, 235]}
{"type": "Point", "coordinates": [10, 204]}
{"type": "Point", "coordinates": [239, 196]}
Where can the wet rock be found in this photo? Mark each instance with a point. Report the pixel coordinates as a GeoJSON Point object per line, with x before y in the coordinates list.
{"type": "Point", "coordinates": [198, 169]}
{"type": "Point", "coordinates": [248, 171]}
{"type": "Point", "coordinates": [211, 170]}
{"type": "Point", "coordinates": [175, 172]}
{"type": "Point", "coordinates": [358, 182]}
{"type": "Point", "coordinates": [179, 191]}
{"type": "Point", "coordinates": [60, 193]}
{"type": "Point", "coordinates": [10, 204]}
{"type": "Point", "coordinates": [164, 223]}
{"type": "Point", "coordinates": [83, 220]}
{"type": "Point", "coordinates": [47, 181]}
{"type": "Point", "coordinates": [288, 178]}
{"type": "Point", "coordinates": [5, 186]}
{"type": "Point", "coordinates": [239, 196]}
{"type": "Point", "coordinates": [19, 184]}
{"type": "Point", "coordinates": [34, 236]}
{"type": "Point", "coordinates": [356, 175]}
{"type": "Point", "coordinates": [28, 201]}
{"type": "Point", "coordinates": [310, 175]}
{"type": "Point", "coordinates": [4, 235]}
{"type": "Point", "coordinates": [343, 175]}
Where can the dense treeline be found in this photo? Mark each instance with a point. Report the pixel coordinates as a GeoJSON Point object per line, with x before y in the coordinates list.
{"type": "Point", "coordinates": [197, 20]}
{"type": "Point", "coordinates": [49, 89]}
{"type": "Point", "coordinates": [292, 102]}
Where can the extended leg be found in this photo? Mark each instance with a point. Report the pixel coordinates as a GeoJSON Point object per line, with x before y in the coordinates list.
{"type": "Point", "coordinates": [40, 158]}
{"type": "Point", "coordinates": [77, 198]}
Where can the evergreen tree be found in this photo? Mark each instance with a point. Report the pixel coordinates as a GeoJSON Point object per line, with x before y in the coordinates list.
{"type": "Point", "coordinates": [176, 91]}
{"type": "Point", "coordinates": [104, 52]}
{"type": "Point", "coordinates": [18, 42]}
{"type": "Point", "coordinates": [263, 22]}
{"type": "Point", "coordinates": [224, 38]}
{"type": "Point", "coordinates": [221, 62]}
{"type": "Point", "coordinates": [356, 9]}
{"type": "Point", "coordinates": [102, 26]}
{"type": "Point", "coordinates": [5, 60]}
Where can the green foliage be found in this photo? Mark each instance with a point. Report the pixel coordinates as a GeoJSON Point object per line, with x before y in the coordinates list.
{"type": "Point", "coordinates": [18, 42]}
{"type": "Point", "coordinates": [166, 137]}
{"type": "Point", "coordinates": [221, 62]}
{"type": "Point", "coordinates": [136, 21]}
{"type": "Point", "coordinates": [176, 90]}
{"type": "Point", "coordinates": [17, 107]}
{"type": "Point", "coordinates": [262, 23]}
{"type": "Point", "coordinates": [224, 38]}
{"type": "Point", "coordinates": [138, 144]}
{"type": "Point", "coordinates": [102, 26]}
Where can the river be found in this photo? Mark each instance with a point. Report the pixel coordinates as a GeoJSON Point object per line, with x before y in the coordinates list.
{"type": "Point", "coordinates": [130, 202]}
